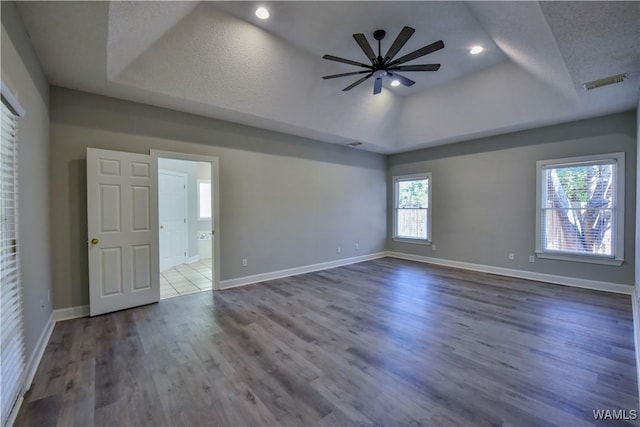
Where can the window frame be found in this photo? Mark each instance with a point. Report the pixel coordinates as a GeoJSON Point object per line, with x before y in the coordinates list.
{"type": "Point", "coordinates": [204, 181]}
{"type": "Point", "coordinates": [617, 234]}
{"type": "Point", "coordinates": [413, 177]}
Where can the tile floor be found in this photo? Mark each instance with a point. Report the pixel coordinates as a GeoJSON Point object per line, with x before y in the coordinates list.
{"type": "Point", "coordinates": [186, 279]}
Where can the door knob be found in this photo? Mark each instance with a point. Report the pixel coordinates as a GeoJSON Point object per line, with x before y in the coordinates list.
{"type": "Point", "coordinates": [161, 227]}
{"type": "Point", "coordinates": [94, 241]}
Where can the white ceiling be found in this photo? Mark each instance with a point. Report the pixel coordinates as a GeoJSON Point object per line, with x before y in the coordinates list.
{"type": "Point", "coordinates": [217, 59]}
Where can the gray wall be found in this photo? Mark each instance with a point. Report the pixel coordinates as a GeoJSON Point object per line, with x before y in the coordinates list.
{"type": "Point", "coordinates": [284, 201]}
{"type": "Point", "coordinates": [22, 73]}
{"type": "Point", "coordinates": [484, 195]}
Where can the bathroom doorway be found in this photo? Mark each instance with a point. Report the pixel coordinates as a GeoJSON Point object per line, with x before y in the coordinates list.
{"type": "Point", "coordinates": [186, 226]}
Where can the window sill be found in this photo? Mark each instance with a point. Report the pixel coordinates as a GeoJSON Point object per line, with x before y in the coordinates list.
{"type": "Point", "coordinates": [413, 241]}
{"type": "Point", "coordinates": [578, 258]}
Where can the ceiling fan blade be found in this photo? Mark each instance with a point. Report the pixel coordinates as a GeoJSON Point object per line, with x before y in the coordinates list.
{"type": "Point", "coordinates": [377, 85]}
{"type": "Point", "coordinates": [402, 79]}
{"type": "Point", "coordinates": [422, 67]}
{"type": "Point", "coordinates": [398, 43]}
{"type": "Point", "coordinates": [351, 86]}
{"type": "Point", "coordinates": [418, 53]}
{"type": "Point", "coordinates": [365, 46]}
{"type": "Point", "coordinates": [345, 61]}
{"type": "Point", "coordinates": [334, 76]}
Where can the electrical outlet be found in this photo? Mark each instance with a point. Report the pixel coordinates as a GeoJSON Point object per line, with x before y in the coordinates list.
{"type": "Point", "coordinates": [357, 246]}
{"type": "Point", "coordinates": [433, 246]}
{"type": "Point", "coordinates": [532, 258]}
{"type": "Point", "coordinates": [244, 262]}
{"type": "Point", "coordinates": [49, 295]}
{"type": "Point", "coordinates": [512, 256]}
{"type": "Point", "coordinates": [339, 249]}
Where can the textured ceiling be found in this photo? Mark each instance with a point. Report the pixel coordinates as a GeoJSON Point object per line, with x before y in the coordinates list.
{"type": "Point", "coordinates": [217, 59]}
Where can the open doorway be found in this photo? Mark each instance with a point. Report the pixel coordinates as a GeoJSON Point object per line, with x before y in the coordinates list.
{"type": "Point", "coordinates": [185, 220]}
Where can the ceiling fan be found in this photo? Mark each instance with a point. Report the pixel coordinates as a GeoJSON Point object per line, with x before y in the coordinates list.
{"type": "Point", "coordinates": [382, 66]}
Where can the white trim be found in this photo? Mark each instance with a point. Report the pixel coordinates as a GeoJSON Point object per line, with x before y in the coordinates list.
{"type": "Point", "coordinates": [70, 313]}
{"type": "Point", "coordinates": [13, 103]}
{"type": "Point", "coordinates": [263, 277]}
{"type": "Point", "coordinates": [38, 352]}
{"type": "Point", "coordinates": [413, 177]}
{"type": "Point", "coordinates": [521, 274]}
{"type": "Point", "coordinates": [591, 259]}
{"type": "Point", "coordinates": [193, 259]}
{"type": "Point", "coordinates": [14, 412]}
{"type": "Point", "coordinates": [636, 333]}
{"type": "Point", "coordinates": [32, 367]}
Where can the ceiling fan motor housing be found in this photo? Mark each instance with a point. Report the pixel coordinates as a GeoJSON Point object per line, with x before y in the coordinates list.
{"type": "Point", "coordinates": [379, 34]}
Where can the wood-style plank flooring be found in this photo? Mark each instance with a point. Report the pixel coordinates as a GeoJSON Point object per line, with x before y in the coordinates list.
{"type": "Point", "coordinates": [385, 342]}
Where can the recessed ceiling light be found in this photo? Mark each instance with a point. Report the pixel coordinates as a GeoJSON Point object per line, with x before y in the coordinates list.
{"type": "Point", "coordinates": [395, 83]}
{"type": "Point", "coordinates": [262, 13]}
{"type": "Point", "coordinates": [476, 50]}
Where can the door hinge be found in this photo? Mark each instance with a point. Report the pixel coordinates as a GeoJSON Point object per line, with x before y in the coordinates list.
{"type": "Point", "coordinates": [185, 254]}
{"type": "Point", "coordinates": [184, 220]}
{"type": "Point", "coordinates": [184, 186]}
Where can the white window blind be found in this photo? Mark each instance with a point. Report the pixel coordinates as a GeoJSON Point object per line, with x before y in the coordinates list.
{"type": "Point", "coordinates": [581, 207]}
{"type": "Point", "coordinates": [12, 349]}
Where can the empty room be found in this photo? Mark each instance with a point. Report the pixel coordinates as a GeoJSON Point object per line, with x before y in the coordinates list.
{"type": "Point", "coordinates": [319, 213]}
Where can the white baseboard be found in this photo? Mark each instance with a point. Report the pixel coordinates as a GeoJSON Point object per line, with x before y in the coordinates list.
{"type": "Point", "coordinates": [521, 274]}
{"type": "Point", "coordinates": [247, 280]}
{"type": "Point", "coordinates": [38, 351]}
{"type": "Point", "coordinates": [32, 367]}
{"type": "Point", "coordinates": [14, 412]}
{"type": "Point", "coordinates": [70, 313]}
{"type": "Point", "coordinates": [636, 332]}
{"type": "Point", "coordinates": [193, 259]}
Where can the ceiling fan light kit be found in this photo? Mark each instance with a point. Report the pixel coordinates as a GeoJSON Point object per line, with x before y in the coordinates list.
{"type": "Point", "coordinates": [386, 66]}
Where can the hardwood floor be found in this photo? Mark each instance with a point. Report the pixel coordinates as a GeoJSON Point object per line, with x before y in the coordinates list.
{"type": "Point", "coordinates": [385, 342]}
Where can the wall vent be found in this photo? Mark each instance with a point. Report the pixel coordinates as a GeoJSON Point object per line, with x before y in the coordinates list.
{"type": "Point", "coordinates": [619, 78]}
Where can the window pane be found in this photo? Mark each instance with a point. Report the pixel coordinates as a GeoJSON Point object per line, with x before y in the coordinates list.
{"type": "Point", "coordinates": [564, 230]}
{"type": "Point", "coordinates": [412, 223]}
{"type": "Point", "coordinates": [413, 194]}
{"type": "Point", "coordinates": [578, 211]}
{"type": "Point", "coordinates": [204, 200]}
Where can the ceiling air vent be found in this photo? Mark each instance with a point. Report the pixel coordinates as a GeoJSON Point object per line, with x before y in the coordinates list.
{"type": "Point", "coordinates": [354, 144]}
{"type": "Point", "coordinates": [619, 78]}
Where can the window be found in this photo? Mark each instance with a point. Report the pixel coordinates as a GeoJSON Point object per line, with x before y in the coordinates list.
{"type": "Point", "coordinates": [204, 200]}
{"type": "Point", "coordinates": [412, 210]}
{"type": "Point", "coordinates": [580, 205]}
{"type": "Point", "coordinates": [12, 349]}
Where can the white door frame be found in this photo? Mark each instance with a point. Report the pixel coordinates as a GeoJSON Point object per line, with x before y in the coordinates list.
{"type": "Point", "coordinates": [186, 209]}
{"type": "Point", "coordinates": [215, 199]}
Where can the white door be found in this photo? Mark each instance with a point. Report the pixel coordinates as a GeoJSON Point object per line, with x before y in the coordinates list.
{"type": "Point", "coordinates": [122, 212]}
{"type": "Point", "coordinates": [172, 215]}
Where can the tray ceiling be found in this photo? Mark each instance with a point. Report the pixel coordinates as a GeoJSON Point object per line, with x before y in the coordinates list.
{"type": "Point", "coordinates": [217, 59]}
